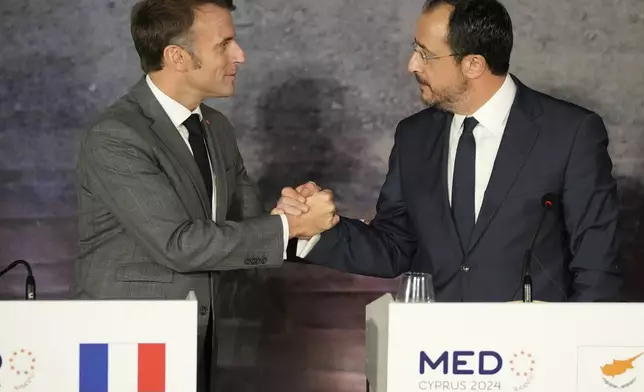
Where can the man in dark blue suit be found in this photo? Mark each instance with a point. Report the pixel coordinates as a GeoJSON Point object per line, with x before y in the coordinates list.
{"type": "Point", "coordinates": [463, 195]}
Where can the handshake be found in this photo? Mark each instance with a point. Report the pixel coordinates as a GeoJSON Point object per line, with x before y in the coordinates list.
{"type": "Point", "coordinates": [309, 210]}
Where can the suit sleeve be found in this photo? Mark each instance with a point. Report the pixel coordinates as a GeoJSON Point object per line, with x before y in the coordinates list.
{"type": "Point", "coordinates": [121, 170]}
{"type": "Point", "coordinates": [591, 210]}
{"type": "Point", "coordinates": [247, 201]}
{"type": "Point", "coordinates": [385, 247]}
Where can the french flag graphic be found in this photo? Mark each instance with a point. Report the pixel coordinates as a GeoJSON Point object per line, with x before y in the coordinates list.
{"type": "Point", "coordinates": [122, 367]}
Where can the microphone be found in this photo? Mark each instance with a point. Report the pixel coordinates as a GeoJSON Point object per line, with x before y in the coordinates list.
{"type": "Point", "coordinates": [548, 202]}
{"type": "Point", "coordinates": [30, 284]}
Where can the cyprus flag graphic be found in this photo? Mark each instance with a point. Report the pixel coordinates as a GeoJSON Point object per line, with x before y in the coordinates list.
{"type": "Point", "coordinates": [605, 368]}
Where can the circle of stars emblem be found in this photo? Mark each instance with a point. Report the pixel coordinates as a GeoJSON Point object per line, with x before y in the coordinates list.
{"type": "Point", "coordinates": [22, 362]}
{"type": "Point", "coordinates": [522, 364]}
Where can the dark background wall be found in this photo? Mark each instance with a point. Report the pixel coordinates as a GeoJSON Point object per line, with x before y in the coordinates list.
{"type": "Point", "coordinates": [324, 85]}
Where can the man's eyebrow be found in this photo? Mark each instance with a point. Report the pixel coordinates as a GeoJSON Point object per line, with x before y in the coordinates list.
{"type": "Point", "coordinates": [225, 41]}
{"type": "Point", "coordinates": [423, 46]}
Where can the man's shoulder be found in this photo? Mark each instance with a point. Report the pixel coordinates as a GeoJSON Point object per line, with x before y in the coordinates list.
{"type": "Point", "coordinates": [123, 119]}
{"type": "Point", "coordinates": [421, 117]}
{"type": "Point", "coordinates": [555, 106]}
{"type": "Point", "coordinates": [122, 111]}
{"type": "Point", "coordinates": [427, 120]}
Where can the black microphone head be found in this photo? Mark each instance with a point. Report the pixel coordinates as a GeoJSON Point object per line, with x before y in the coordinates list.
{"type": "Point", "coordinates": [30, 288]}
{"type": "Point", "coordinates": [549, 201]}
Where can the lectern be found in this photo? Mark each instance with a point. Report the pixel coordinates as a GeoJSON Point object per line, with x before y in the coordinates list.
{"type": "Point", "coordinates": [504, 347]}
{"type": "Point", "coordinates": [98, 346]}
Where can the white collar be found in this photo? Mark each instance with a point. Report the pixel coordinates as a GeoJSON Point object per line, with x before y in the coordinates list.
{"type": "Point", "coordinates": [176, 111]}
{"type": "Point", "coordinates": [493, 114]}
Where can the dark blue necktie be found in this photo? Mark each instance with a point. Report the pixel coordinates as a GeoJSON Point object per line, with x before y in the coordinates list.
{"type": "Point", "coordinates": [199, 151]}
{"type": "Point", "coordinates": [464, 181]}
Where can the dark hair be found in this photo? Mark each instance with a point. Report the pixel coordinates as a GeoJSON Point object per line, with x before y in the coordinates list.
{"type": "Point", "coordinates": [156, 24]}
{"type": "Point", "coordinates": [480, 27]}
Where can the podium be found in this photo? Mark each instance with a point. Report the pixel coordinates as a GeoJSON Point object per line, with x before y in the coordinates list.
{"type": "Point", "coordinates": [98, 346]}
{"type": "Point", "coordinates": [504, 347]}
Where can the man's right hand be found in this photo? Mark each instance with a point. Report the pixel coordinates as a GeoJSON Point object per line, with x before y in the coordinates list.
{"type": "Point", "coordinates": [293, 201]}
{"type": "Point", "coordinates": [320, 217]}
{"type": "Point", "coordinates": [308, 209]}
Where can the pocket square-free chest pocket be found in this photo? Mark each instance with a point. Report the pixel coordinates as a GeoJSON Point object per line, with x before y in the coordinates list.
{"type": "Point", "coordinates": [143, 272]}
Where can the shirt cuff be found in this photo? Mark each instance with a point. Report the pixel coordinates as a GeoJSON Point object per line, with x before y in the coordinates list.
{"type": "Point", "coordinates": [286, 232]}
{"type": "Point", "coordinates": [305, 246]}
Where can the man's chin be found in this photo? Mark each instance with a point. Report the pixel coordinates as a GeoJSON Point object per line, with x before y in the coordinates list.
{"type": "Point", "coordinates": [223, 93]}
{"type": "Point", "coordinates": [428, 101]}
{"type": "Point", "coordinates": [432, 101]}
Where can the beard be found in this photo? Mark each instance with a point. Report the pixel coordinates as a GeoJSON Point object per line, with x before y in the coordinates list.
{"type": "Point", "coordinates": [444, 98]}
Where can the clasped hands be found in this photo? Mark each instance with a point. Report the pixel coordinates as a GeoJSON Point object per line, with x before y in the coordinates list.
{"type": "Point", "coordinates": [309, 210]}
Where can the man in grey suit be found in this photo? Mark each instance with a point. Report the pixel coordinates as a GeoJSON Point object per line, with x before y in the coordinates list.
{"type": "Point", "coordinates": [164, 199]}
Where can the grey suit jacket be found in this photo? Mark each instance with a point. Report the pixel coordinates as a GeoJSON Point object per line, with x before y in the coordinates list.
{"type": "Point", "coordinates": [145, 220]}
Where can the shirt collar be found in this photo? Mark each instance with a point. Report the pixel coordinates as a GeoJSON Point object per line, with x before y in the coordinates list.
{"type": "Point", "coordinates": [176, 111]}
{"type": "Point", "coordinates": [494, 113]}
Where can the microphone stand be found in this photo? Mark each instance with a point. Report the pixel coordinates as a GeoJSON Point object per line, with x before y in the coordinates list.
{"type": "Point", "coordinates": [30, 283]}
{"type": "Point", "coordinates": [527, 278]}
{"type": "Point", "coordinates": [546, 203]}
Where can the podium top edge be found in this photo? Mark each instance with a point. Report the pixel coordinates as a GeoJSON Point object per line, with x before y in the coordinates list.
{"type": "Point", "coordinates": [514, 303]}
{"type": "Point", "coordinates": [99, 301]}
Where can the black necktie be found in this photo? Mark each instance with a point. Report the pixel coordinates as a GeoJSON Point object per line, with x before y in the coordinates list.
{"type": "Point", "coordinates": [199, 151]}
{"type": "Point", "coordinates": [463, 182]}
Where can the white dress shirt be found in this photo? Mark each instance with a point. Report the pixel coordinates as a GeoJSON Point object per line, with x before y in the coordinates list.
{"type": "Point", "coordinates": [178, 114]}
{"type": "Point", "coordinates": [492, 118]}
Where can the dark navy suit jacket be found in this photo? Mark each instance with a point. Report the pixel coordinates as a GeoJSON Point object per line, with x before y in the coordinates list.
{"type": "Point", "coordinates": [548, 146]}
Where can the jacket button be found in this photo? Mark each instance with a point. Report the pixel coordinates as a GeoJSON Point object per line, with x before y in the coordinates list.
{"type": "Point", "coordinates": [203, 310]}
{"type": "Point", "coordinates": [465, 268]}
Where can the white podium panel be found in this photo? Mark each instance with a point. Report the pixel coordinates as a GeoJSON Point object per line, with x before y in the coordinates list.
{"type": "Point", "coordinates": [98, 346]}
{"type": "Point", "coordinates": [505, 347]}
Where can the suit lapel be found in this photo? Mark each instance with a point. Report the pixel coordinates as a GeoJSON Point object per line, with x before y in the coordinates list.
{"type": "Point", "coordinates": [167, 132]}
{"type": "Point", "coordinates": [437, 153]}
{"type": "Point", "coordinates": [519, 137]}
{"type": "Point", "coordinates": [213, 139]}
